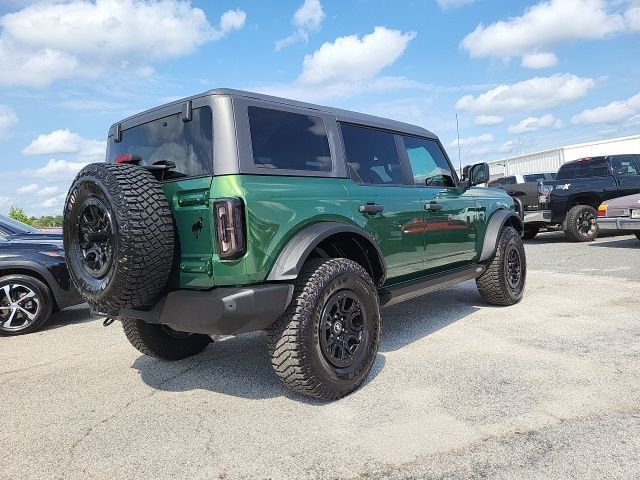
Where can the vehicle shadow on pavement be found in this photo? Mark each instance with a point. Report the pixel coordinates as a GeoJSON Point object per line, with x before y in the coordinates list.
{"type": "Point", "coordinates": [413, 320]}
{"type": "Point", "coordinates": [630, 242]}
{"type": "Point", "coordinates": [71, 316]}
{"type": "Point", "coordinates": [240, 366]}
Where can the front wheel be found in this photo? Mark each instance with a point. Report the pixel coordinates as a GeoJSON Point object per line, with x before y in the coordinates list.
{"type": "Point", "coordinates": [502, 283]}
{"type": "Point", "coordinates": [581, 224]}
{"type": "Point", "coordinates": [326, 342]}
{"type": "Point", "coordinates": [25, 304]}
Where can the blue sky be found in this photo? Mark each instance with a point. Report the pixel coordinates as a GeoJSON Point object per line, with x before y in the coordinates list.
{"type": "Point", "coordinates": [521, 76]}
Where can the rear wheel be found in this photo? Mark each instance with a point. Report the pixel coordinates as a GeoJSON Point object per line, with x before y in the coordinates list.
{"type": "Point", "coordinates": [326, 342]}
{"type": "Point", "coordinates": [502, 283]}
{"type": "Point", "coordinates": [25, 304]}
{"type": "Point", "coordinates": [162, 342]}
{"type": "Point", "coordinates": [581, 224]}
{"type": "Point", "coordinates": [530, 232]}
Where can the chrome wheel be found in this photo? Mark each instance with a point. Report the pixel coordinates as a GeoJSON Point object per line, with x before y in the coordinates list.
{"type": "Point", "coordinates": [19, 307]}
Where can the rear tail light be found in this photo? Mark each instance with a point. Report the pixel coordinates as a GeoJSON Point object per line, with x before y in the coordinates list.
{"type": "Point", "coordinates": [544, 191]}
{"type": "Point", "coordinates": [602, 210]}
{"type": "Point", "coordinates": [229, 220]}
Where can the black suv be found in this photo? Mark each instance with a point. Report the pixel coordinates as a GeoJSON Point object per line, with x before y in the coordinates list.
{"type": "Point", "coordinates": [34, 280]}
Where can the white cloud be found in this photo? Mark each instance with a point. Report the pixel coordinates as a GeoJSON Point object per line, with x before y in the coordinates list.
{"type": "Point", "coordinates": [56, 169]}
{"type": "Point", "coordinates": [58, 141]}
{"type": "Point", "coordinates": [354, 59]}
{"type": "Point", "coordinates": [488, 120]}
{"type": "Point", "coordinates": [66, 141]}
{"type": "Point", "coordinates": [55, 202]}
{"type": "Point", "coordinates": [532, 124]}
{"type": "Point", "coordinates": [537, 61]}
{"type": "Point", "coordinates": [4, 201]}
{"type": "Point", "coordinates": [542, 26]}
{"type": "Point", "coordinates": [307, 18]}
{"type": "Point", "coordinates": [633, 18]}
{"type": "Point", "coordinates": [472, 141]}
{"type": "Point", "coordinates": [507, 146]}
{"type": "Point", "coordinates": [448, 4]}
{"type": "Point", "coordinates": [28, 189]}
{"type": "Point", "coordinates": [538, 93]}
{"type": "Point", "coordinates": [8, 118]}
{"type": "Point", "coordinates": [43, 192]}
{"type": "Point", "coordinates": [52, 41]}
{"type": "Point", "coordinates": [615, 112]}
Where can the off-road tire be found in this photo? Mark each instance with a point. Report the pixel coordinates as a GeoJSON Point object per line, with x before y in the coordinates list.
{"type": "Point", "coordinates": [142, 241]}
{"type": "Point", "coordinates": [294, 339]}
{"type": "Point", "coordinates": [493, 284]}
{"type": "Point", "coordinates": [162, 342]}
{"type": "Point", "coordinates": [530, 232]}
{"type": "Point", "coordinates": [572, 231]}
{"type": "Point", "coordinates": [45, 303]}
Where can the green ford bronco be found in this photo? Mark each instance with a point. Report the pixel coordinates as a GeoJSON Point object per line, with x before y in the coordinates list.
{"type": "Point", "coordinates": [232, 212]}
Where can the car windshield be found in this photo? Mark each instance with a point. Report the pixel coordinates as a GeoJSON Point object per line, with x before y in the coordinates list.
{"type": "Point", "coordinates": [9, 226]}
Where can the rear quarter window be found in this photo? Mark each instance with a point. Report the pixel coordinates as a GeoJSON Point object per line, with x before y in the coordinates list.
{"type": "Point", "coordinates": [289, 141]}
{"type": "Point", "coordinates": [566, 172]}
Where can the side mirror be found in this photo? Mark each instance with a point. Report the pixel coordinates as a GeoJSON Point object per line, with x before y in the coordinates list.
{"type": "Point", "coordinates": [478, 173]}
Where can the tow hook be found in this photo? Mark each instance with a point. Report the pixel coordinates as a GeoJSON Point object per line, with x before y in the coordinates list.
{"type": "Point", "coordinates": [108, 321]}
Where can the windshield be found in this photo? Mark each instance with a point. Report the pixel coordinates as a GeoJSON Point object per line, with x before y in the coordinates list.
{"type": "Point", "coordinates": [9, 226]}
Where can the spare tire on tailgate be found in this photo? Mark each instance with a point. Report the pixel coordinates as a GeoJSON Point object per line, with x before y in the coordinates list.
{"type": "Point", "coordinates": [118, 236]}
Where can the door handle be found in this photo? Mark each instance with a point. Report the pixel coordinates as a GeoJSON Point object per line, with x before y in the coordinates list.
{"type": "Point", "coordinates": [370, 208]}
{"type": "Point", "coordinates": [433, 206]}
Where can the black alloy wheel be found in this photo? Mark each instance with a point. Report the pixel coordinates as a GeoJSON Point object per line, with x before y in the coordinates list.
{"type": "Point", "coordinates": [342, 329]}
{"type": "Point", "coordinates": [586, 224]}
{"type": "Point", "coordinates": [513, 268]}
{"type": "Point", "coordinates": [95, 237]}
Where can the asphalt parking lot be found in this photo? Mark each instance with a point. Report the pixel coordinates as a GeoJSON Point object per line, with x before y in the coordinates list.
{"type": "Point", "coordinates": [549, 388]}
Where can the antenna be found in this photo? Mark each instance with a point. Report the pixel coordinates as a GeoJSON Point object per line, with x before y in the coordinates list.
{"type": "Point", "coordinates": [459, 156]}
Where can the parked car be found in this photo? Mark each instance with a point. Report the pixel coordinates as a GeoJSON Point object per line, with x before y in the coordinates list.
{"type": "Point", "coordinates": [621, 214]}
{"type": "Point", "coordinates": [34, 282]}
{"type": "Point", "coordinates": [519, 178]}
{"type": "Point", "coordinates": [10, 226]}
{"type": "Point", "coordinates": [295, 218]}
{"type": "Point", "coordinates": [532, 191]}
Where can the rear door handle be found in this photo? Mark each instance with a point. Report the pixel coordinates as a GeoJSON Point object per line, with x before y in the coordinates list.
{"type": "Point", "coordinates": [433, 206]}
{"type": "Point", "coordinates": [370, 208]}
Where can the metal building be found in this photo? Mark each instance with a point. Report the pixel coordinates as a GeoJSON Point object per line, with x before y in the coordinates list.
{"type": "Point", "coordinates": [550, 160]}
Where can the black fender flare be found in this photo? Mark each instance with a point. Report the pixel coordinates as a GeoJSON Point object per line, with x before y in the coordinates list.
{"type": "Point", "coordinates": [28, 266]}
{"type": "Point", "coordinates": [292, 257]}
{"type": "Point", "coordinates": [495, 225]}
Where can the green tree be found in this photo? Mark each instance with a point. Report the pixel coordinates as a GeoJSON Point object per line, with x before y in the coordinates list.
{"type": "Point", "coordinates": [18, 214]}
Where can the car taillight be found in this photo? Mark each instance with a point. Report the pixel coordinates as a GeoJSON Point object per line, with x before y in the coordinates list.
{"type": "Point", "coordinates": [229, 220]}
{"type": "Point", "coordinates": [602, 210]}
{"type": "Point", "coordinates": [543, 193]}
{"type": "Point", "coordinates": [128, 158]}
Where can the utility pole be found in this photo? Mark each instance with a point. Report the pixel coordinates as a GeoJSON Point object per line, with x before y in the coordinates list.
{"type": "Point", "coordinates": [459, 156]}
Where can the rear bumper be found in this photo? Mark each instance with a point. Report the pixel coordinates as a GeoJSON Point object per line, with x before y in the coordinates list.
{"type": "Point", "coordinates": [222, 311]}
{"type": "Point", "coordinates": [537, 216]}
{"type": "Point", "coordinates": [619, 223]}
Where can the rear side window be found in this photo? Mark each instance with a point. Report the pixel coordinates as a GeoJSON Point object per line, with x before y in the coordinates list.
{"type": "Point", "coordinates": [187, 144]}
{"type": "Point", "coordinates": [534, 177]}
{"type": "Point", "coordinates": [289, 141]}
{"type": "Point", "coordinates": [428, 163]}
{"type": "Point", "coordinates": [566, 172]}
{"type": "Point", "coordinates": [372, 155]}
{"type": "Point", "coordinates": [598, 168]}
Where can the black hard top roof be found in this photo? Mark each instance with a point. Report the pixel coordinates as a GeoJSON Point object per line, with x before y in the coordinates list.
{"type": "Point", "coordinates": [342, 115]}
